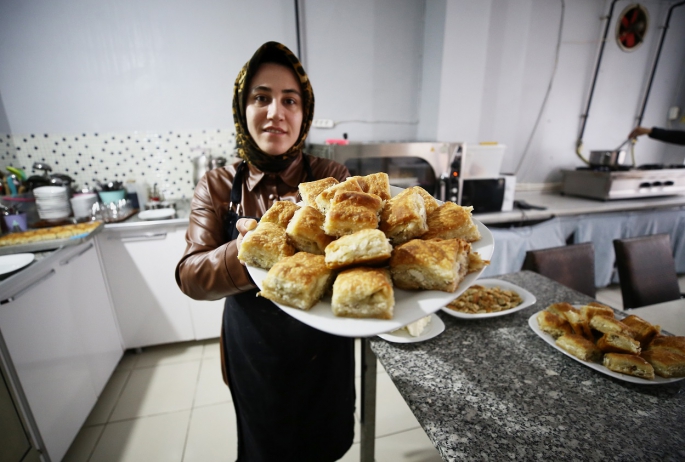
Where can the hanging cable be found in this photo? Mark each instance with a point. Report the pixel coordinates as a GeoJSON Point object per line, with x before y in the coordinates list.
{"type": "Point", "coordinates": [549, 89]}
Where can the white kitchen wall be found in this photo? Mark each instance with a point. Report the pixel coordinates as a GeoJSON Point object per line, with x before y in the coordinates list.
{"type": "Point", "coordinates": [451, 70]}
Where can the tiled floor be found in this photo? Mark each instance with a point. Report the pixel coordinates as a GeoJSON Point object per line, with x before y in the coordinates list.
{"type": "Point", "coordinates": [169, 403]}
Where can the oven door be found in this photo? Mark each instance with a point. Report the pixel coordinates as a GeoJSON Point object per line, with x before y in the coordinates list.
{"type": "Point", "coordinates": [484, 194]}
{"type": "Point", "coordinates": [403, 172]}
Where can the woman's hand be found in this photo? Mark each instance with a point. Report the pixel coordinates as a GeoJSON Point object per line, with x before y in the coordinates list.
{"type": "Point", "coordinates": [639, 131]}
{"type": "Point", "coordinates": [244, 225]}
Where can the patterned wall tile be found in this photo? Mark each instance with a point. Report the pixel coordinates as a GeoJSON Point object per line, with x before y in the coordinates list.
{"type": "Point", "coordinates": [164, 159]}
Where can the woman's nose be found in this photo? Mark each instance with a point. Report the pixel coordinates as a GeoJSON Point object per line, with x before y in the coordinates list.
{"type": "Point", "coordinates": [275, 110]}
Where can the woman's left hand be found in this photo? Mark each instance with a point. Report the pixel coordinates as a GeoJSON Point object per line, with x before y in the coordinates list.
{"type": "Point", "coordinates": [244, 225]}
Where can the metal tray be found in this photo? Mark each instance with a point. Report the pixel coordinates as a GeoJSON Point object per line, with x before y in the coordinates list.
{"type": "Point", "coordinates": [50, 245]}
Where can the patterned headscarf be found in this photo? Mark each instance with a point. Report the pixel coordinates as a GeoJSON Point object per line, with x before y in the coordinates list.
{"type": "Point", "coordinates": [247, 147]}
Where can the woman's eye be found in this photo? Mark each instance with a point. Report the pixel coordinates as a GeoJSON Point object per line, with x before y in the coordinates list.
{"type": "Point", "coordinates": [260, 99]}
{"type": "Point", "coordinates": [290, 101]}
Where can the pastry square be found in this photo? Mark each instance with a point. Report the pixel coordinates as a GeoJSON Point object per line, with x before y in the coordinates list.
{"type": "Point", "coordinates": [264, 246]}
{"type": "Point", "coordinates": [643, 331]}
{"type": "Point", "coordinates": [593, 309]}
{"type": "Point", "coordinates": [352, 211]}
{"type": "Point", "coordinates": [375, 183]}
{"type": "Point", "coordinates": [281, 212]}
{"type": "Point", "coordinates": [450, 221]}
{"type": "Point", "coordinates": [579, 346]}
{"type": "Point", "coordinates": [298, 281]}
{"type": "Point", "coordinates": [553, 324]}
{"type": "Point", "coordinates": [304, 231]}
{"type": "Point", "coordinates": [628, 364]}
{"type": "Point", "coordinates": [675, 344]}
{"type": "Point", "coordinates": [435, 264]}
{"type": "Point", "coordinates": [311, 189]}
{"type": "Point", "coordinates": [667, 364]}
{"type": "Point", "coordinates": [323, 200]}
{"type": "Point", "coordinates": [617, 343]}
{"type": "Point", "coordinates": [428, 201]}
{"type": "Point", "coordinates": [607, 325]}
{"type": "Point", "coordinates": [368, 247]}
{"type": "Point", "coordinates": [363, 293]}
{"type": "Point", "coordinates": [404, 217]}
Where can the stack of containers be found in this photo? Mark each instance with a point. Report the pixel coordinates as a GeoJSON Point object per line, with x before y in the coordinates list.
{"type": "Point", "coordinates": [52, 202]}
{"type": "Point", "coordinates": [82, 204]}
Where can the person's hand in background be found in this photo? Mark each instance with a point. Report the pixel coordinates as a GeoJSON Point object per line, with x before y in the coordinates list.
{"type": "Point", "coordinates": [244, 225]}
{"type": "Point", "coordinates": [639, 131]}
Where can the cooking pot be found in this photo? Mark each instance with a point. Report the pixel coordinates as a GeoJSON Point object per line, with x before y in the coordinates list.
{"type": "Point", "coordinates": [204, 163]}
{"type": "Point", "coordinates": [608, 158]}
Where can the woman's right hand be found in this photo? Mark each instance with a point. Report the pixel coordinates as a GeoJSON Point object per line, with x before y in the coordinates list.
{"type": "Point", "coordinates": [243, 225]}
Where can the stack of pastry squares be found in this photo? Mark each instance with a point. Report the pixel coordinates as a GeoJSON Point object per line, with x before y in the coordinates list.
{"type": "Point", "coordinates": [629, 346]}
{"type": "Point", "coordinates": [365, 241]}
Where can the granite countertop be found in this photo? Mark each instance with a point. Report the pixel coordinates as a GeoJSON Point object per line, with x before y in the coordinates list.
{"type": "Point", "coordinates": [491, 389]}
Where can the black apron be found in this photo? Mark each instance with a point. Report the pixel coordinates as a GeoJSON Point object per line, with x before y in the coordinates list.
{"type": "Point", "coordinates": [292, 385]}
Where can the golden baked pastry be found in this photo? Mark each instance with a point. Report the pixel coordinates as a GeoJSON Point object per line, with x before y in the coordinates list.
{"type": "Point", "coordinates": [363, 293]}
{"type": "Point", "coordinates": [667, 364]}
{"type": "Point", "coordinates": [351, 211]}
{"type": "Point", "coordinates": [298, 281]}
{"type": "Point", "coordinates": [607, 325]}
{"type": "Point", "coordinates": [264, 246]}
{"type": "Point", "coordinates": [673, 343]}
{"type": "Point", "coordinates": [428, 201]}
{"type": "Point", "coordinates": [579, 346]}
{"type": "Point", "coordinates": [304, 231]}
{"type": "Point", "coordinates": [48, 234]}
{"type": "Point", "coordinates": [311, 189]}
{"type": "Point", "coordinates": [628, 364]}
{"type": "Point", "coordinates": [617, 343]}
{"type": "Point", "coordinates": [450, 221]}
{"type": "Point", "coordinates": [323, 200]}
{"type": "Point", "coordinates": [404, 217]}
{"type": "Point", "coordinates": [553, 324]}
{"type": "Point", "coordinates": [368, 247]}
{"type": "Point", "coordinates": [435, 264]}
{"type": "Point", "coordinates": [592, 309]}
{"type": "Point", "coordinates": [643, 331]}
{"type": "Point", "coordinates": [574, 317]}
{"type": "Point", "coordinates": [281, 212]}
{"type": "Point", "coordinates": [375, 183]}
{"type": "Point", "coordinates": [476, 262]}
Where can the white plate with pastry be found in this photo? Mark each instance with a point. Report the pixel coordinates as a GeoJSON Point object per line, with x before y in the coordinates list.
{"type": "Point", "coordinates": [526, 299]}
{"type": "Point", "coordinates": [533, 323]}
{"type": "Point", "coordinates": [410, 305]}
{"type": "Point", "coordinates": [434, 328]}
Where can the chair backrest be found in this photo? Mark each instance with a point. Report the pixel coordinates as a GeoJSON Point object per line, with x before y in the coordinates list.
{"type": "Point", "coordinates": [646, 270]}
{"type": "Point", "coordinates": [570, 265]}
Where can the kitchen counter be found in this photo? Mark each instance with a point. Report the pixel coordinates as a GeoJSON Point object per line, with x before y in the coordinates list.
{"type": "Point", "coordinates": [491, 389]}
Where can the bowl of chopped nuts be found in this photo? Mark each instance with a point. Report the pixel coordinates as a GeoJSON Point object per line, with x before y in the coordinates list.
{"type": "Point", "coordinates": [489, 298]}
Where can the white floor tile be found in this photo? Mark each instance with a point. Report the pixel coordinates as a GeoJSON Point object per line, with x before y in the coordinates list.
{"type": "Point", "coordinates": [211, 349]}
{"type": "Point", "coordinates": [170, 354]}
{"type": "Point", "coordinates": [392, 412]}
{"type": "Point", "coordinates": [211, 388]}
{"type": "Point", "coordinates": [610, 295]}
{"type": "Point", "coordinates": [128, 361]}
{"type": "Point", "coordinates": [108, 398]}
{"type": "Point", "coordinates": [409, 446]}
{"type": "Point", "coordinates": [156, 390]}
{"type": "Point", "coordinates": [150, 439]}
{"type": "Point", "coordinates": [212, 435]}
{"type": "Point", "coordinates": [83, 444]}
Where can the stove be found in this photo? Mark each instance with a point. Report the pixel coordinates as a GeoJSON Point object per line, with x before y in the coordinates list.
{"type": "Point", "coordinates": [610, 183]}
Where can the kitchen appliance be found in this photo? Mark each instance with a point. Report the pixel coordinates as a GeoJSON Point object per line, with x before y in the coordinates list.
{"type": "Point", "coordinates": [605, 183]}
{"type": "Point", "coordinates": [204, 163]}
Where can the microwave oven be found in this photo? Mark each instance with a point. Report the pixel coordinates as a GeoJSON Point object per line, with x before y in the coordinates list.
{"type": "Point", "coordinates": [485, 195]}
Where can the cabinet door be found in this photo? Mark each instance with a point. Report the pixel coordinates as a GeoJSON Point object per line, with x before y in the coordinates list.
{"type": "Point", "coordinates": [140, 267]}
{"type": "Point", "coordinates": [93, 313]}
{"type": "Point", "coordinates": [207, 316]}
{"type": "Point", "coordinates": [45, 346]}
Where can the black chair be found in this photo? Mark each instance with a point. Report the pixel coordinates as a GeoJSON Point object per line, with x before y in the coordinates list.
{"type": "Point", "coordinates": [646, 270]}
{"type": "Point", "coordinates": [570, 265]}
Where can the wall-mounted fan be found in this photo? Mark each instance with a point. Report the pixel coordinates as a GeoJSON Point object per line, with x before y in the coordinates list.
{"type": "Point", "coordinates": [632, 26]}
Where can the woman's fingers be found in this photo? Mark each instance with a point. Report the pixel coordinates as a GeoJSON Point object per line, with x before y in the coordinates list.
{"type": "Point", "coordinates": [244, 225]}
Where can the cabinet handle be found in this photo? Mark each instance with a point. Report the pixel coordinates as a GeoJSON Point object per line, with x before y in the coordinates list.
{"type": "Point", "coordinates": [142, 237]}
{"type": "Point", "coordinates": [43, 278]}
{"type": "Point", "coordinates": [73, 257]}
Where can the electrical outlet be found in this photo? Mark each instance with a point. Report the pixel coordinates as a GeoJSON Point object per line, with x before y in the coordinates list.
{"type": "Point", "coordinates": [673, 113]}
{"type": "Point", "coordinates": [323, 123]}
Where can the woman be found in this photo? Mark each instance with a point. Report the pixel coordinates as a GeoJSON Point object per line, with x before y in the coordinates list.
{"type": "Point", "coordinates": [661, 134]}
{"type": "Point", "coordinates": [292, 385]}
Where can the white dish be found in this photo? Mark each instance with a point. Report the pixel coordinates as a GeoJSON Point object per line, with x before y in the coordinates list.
{"type": "Point", "coordinates": [157, 214]}
{"type": "Point", "coordinates": [533, 323]}
{"type": "Point", "coordinates": [527, 300]}
{"type": "Point", "coordinates": [9, 263]}
{"type": "Point", "coordinates": [433, 329]}
{"type": "Point", "coordinates": [409, 305]}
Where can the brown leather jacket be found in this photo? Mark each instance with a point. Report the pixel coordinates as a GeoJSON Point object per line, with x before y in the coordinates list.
{"type": "Point", "coordinates": [209, 268]}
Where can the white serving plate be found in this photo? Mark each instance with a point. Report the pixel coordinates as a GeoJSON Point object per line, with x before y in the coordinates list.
{"type": "Point", "coordinates": [410, 305]}
{"type": "Point", "coordinates": [157, 214]}
{"type": "Point", "coordinates": [433, 329]}
{"type": "Point", "coordinates": [9, 263]}
{"type": "Point", "coordinates": [527, 299]}
{"type": "Point", "coordinates": [533, 323]}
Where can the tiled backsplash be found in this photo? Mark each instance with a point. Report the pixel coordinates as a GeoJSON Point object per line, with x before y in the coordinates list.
{"type": "Point", "coordinates": [164, 159]}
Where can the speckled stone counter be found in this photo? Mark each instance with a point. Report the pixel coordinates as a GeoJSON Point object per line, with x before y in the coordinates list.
{"type": "Point", "coordinates": [492, 390]}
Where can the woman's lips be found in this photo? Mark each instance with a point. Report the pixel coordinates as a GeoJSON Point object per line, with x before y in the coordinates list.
{"type": "Point", "coordinates": [274, 131]}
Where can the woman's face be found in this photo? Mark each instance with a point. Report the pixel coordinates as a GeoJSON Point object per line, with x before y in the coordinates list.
{"type": "Point", "coordinates": [274, 108]}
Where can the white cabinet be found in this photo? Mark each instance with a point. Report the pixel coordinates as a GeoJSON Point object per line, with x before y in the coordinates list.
{"type": "Point", "coordinates": [61, 336]}
{"type": "Point", "coordinates": [140, 263]}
